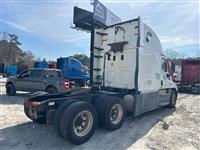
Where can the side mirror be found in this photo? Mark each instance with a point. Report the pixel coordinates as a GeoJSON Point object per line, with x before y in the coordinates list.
{"type": "Point", "coordinates": [168, 75]}
{"type": "Point", "coordinates": [175, 74]}
{"type": "Point", "coordinates": [19, 76]}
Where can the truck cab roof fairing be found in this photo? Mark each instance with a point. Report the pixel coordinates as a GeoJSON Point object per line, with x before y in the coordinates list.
{"type": "Point", "coordinates": [149, 39]}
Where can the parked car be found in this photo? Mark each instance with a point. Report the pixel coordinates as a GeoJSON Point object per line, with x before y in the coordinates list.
{"type": "Point", "coordinates": [32, 80]}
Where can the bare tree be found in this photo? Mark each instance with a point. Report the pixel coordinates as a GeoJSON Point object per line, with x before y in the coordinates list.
{"type": "Point", "coordinates": [9, 48]}
{"type": "Point", "coordinates": [197, 54]}
{"type": "Point", "coordinates": [11, 53]}
{"type": "Point", "coordinates": [171, 54]}
{"type": "Point", "coordinates": [85, 60]}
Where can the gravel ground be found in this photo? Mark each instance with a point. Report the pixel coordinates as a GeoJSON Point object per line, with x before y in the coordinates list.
{"type": "Point", "coordinates": [177, 129]}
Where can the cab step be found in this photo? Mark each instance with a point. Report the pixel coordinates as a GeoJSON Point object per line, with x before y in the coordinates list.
{"type": "Point", "coordinates": [99, 77]}
{"type": "Point", "coordinates": [98, 56]}
{"type": "Point", "coordinates": [102, 34]}
{"type": "Point", "coordinates": [97, 69]}
{"type": "Point", "coordinates": [97, 83]}
{"type": "Point", "coordinates": [98, 48]}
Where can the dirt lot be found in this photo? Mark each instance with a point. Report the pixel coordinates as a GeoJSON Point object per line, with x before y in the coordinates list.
{"type": "Point", "coordinates": [145, 132]}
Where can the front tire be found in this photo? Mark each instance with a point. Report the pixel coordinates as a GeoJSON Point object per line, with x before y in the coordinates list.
{"type": "Point", "coordinates": [10, 90]}
{"type": "Point", "coordinates": [51, 90]}
{"type": "Point", "coordinates": [78, 122]}
{"type": "Point", "coordinates": [173, 98]}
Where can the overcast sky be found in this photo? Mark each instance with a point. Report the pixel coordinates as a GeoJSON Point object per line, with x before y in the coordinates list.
{"type": "Point", "coordinates": [43, 26]}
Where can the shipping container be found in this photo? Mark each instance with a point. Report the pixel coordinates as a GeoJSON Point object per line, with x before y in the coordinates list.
{"type": "Point", "coordinates": [11, 70]}
{"type": "Point", "coordinates": [2, 68]}
{"type": "Point", "coordinates": [190, 76]}
{"type": "Point", "coordinates": [41, 64]}
{"type": "Point", "coordinates": [52, 66]}
{"type": "Point", "coordinates": [191, 71]}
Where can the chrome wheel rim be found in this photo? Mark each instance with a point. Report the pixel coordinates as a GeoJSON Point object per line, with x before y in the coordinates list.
{"type": "Point", "coordinates": [116, 114]}
{"type": "Point", "coordinates": [83, 123]}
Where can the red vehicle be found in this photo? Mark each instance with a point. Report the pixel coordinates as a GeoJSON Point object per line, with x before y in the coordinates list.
{"type": "Point", "coordinates": [190, 76]}
{"type": "Point", "coordinates": [52, 66]}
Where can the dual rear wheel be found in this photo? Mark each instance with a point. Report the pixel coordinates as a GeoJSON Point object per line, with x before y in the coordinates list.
{"type": "Point", "coordinates": [111, 112]}
{"type": "Point", "coordinates": [77, 121]}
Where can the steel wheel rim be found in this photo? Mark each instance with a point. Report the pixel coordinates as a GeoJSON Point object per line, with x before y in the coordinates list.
{"type": "Point", "coordinates": [116, 114]}
{"type": "Point", "coordinates": [9, 89]}
{"type": "Point", "coordinates": [82, 123]}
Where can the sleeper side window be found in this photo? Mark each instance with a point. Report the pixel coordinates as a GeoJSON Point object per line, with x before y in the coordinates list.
{"type": "Point", "coordinates": [26, 74]}
{"type": "Point", "coordinates": [51, 74]}
{"type": "Point", "coordinates": [122, 57]}
{"type": "Point", "coordinates": [36, 73]}
{"type": "Point", "coordinates": [108, 57]}
{"type": "Point", "coordinates": [114, 58]}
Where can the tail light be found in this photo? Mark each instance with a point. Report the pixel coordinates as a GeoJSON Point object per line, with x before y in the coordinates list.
{"type": "Point", "coordinates": [66, 85]}
{"type": "Point", "coordinates": [32, 103]}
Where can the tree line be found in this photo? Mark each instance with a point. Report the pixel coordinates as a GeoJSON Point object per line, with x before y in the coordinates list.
{"type": "Point", "coordinates": [171, 54]}
{"type": "Point", "coordinates": [12, 54]}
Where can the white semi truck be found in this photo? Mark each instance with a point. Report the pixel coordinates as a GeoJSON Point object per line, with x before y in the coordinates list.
{"type": "Point", "coordinates": [130, 74]}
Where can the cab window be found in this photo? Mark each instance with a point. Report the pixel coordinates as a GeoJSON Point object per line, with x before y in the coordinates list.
{"type": "Point", "coordinates": [164, 65]}
{"type": "Point", "coordinates": [36, 73]}
{"type": "Point", "coordinates": [26, 74]}
{"type": "Point", "coordinates": [51, 74]}
{"type": "Point", "coordinates": [59, 74]}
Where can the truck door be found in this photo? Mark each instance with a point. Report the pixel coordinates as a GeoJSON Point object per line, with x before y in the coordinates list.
{"type": "Point", "coordinates": [165, 74]}
{"type": "Point", "coordinates": [35, 80]}
{"type": "Point", "coordinates": [165, 80]}
{"type": "Point", "coordinates": [76, 69]}
{"type": "Point", "coordinates": [21, 82]}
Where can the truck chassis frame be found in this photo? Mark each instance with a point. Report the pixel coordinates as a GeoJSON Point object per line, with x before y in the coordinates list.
{"type": "Point", "coordinates": [42, 107]}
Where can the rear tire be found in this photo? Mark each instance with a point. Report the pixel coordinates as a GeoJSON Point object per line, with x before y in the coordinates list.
{"type": "Point", "coordinates": [111, 112]}
{"type": "Point", "coordinates": [173, 98]}
{"type": "Point", "coordinates": [40, 120]}
{"type": "Point", "coordinates": [10, 90]}
{"type": "Point", "coordinates": [58, 115]}
{"type": "Point", "coordinates": [51, 90]}
{"type": "Point", "coordinates": [78, 122]}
